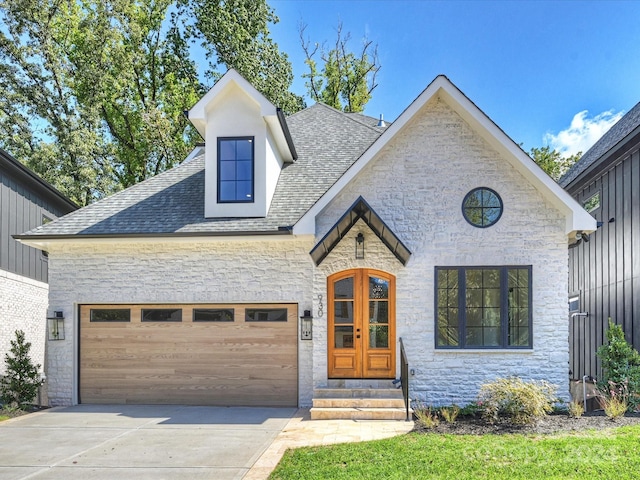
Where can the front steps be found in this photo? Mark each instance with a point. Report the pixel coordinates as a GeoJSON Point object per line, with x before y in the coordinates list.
{"type": "Point", "coordinates": [358, 404]}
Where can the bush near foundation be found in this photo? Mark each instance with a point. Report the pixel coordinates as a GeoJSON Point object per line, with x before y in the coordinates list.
{"type": "Point", "coordinates": [521, 402]}
{"type": "Point", "coordinates": [19, 386]}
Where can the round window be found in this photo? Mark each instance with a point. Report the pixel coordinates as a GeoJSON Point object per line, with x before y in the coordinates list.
{"type": "Point", "coordinates": [482, 207]}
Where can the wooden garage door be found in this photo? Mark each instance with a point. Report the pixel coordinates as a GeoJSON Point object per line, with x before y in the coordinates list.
{"type": "Point", "coordinates": [189, 354]}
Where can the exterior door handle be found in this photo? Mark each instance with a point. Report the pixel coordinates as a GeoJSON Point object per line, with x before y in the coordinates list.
{"type": "Point", "coordinates": [357, 336]}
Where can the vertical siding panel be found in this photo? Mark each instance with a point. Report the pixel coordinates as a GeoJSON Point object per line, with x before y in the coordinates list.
{"type": "Point", "coordinates": [635, 244]}
{"type": "Point", "coordinates": [627, 254]}
{"type": "Point", "coordinates": [4, 222]}
{"type": "Point", "coordinates": [619, 314]}
{"type": "Point", "coordinates": [12, 226]}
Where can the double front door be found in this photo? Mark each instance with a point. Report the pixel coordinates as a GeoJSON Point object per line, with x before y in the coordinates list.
{"type": "Point", "coordinates": [361, 323]}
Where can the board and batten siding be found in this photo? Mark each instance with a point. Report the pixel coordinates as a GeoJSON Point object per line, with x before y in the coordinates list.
{"type": "Point", "coordinates": [604, 272]}
{"type": "Point", "coordinates": [24, 202]}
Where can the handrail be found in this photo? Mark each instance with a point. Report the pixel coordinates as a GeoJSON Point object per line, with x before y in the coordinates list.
{"type": "Point", "coordinates": [404, 376]}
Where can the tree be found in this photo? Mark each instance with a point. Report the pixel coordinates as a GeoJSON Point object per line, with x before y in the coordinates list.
{"type": "Point", "coordinates": [20, 384]}
{"type": "Point", "coordinates": [346, 79]}
{"type": "Point", "coordinates": [92, 92]}
{"type": "Point", "coordinates": [552, 161]}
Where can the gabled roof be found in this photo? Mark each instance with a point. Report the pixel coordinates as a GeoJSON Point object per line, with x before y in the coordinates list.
{"type": "Point", "coordinates": [272, 115]}
{"type": "Point", "coordinates": [627, 126]}
{"type": "Point", "coordinates": [172, 203]}
{"type": "Point", "coordinates": [577, 219]}
{"type": "Point", "coordinates": [360, 210]}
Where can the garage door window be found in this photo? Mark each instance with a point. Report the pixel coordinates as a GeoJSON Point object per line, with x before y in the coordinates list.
{"type": "Point", "coordinates": [213, 314]}
{"type": "Point", "coordinates": [265, 315]}
{"type": "Point", "coordinates": [162, 315]}
{"type": "Point", "coordinates": [110, 315]}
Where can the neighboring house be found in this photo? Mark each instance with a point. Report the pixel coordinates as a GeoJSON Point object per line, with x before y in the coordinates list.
{"type": "Point", "coordinates": [604, 272]}
{"type": "Point", "coordinates": [26, 201]}
{"type": "Point", "coordinates": [438, 229]}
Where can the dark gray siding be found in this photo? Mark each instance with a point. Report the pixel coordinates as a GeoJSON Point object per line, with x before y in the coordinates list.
{"type": "Point", "coordinates": [605, 272]}
{"type": "Point", "coordinates": [24, 200]}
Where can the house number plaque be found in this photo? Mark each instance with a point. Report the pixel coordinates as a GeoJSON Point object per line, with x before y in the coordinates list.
{"type": "Point", "coordinates": [320, 306]}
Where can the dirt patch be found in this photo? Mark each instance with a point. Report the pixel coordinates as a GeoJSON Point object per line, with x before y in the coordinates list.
{"type": "Point", "coordinates": [555, 423]}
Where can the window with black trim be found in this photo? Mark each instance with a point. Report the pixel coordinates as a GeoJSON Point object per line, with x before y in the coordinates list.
{"type": "Point", "coordinates": [110, 315]}
{"type": "Point", "coordinates": [161, 314]}
{"type": "Point", "coordinates": [213, 314]}
{"type": "Point", "coordinates": [482, 207]}
{"type": "Point", "coordinates": [265, 315]}
{"type": "Point", "coordinates": [235, 170]}
{"type": "Point", "coordinates": [483, 307]}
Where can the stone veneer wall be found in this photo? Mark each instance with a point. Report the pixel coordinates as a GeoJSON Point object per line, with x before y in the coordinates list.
{"type": "Point", "coordinates": [416, 185]}
{"type": "Point", "coordinates": [23, 306]}
{"type": "Point", "coordinates": [278, 270]}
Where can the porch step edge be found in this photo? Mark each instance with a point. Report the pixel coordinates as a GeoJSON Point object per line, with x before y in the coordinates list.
{"type": "Point", "coordinates": [358, 413]}
{"type": "Point", "coordinates": [328, 392]}
{"type": "Point", "coordinates": [358, 402]}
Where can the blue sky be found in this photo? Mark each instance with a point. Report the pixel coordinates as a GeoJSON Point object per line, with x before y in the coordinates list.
{"type": "Point", "coordinates": [534, 67]}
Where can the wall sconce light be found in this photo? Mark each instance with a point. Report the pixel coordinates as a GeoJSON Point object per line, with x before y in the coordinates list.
{"type": "Point", "coordinates": [306, 326]}
{"type": "Point", "coordinates": [360, 246]}
{"type": "Point", "coordinates": [55, 326]}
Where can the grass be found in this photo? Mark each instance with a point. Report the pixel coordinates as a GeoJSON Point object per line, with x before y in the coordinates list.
{"type": "Point", "coordinates": [613, 453]}
{"type": "Point", "coordinates": [3, 418]}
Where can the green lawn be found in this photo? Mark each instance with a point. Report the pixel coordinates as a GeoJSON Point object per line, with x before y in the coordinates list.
{"type": "Point", "coordinates": [613, 453]}
{"type": "Point", "coordinates": [3, 418]}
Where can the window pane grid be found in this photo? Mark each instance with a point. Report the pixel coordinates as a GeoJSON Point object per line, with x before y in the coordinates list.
{"type": "Point", "coordinates": [235, 170]}
{"type": "Point", "coordinates": [490, 310]}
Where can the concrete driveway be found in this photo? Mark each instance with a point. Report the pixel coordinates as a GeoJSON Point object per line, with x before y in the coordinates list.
{"type": "Point", "coordinates": [89, 442]}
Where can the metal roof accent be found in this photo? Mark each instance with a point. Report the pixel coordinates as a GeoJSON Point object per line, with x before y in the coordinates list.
{"type": "Point", "coordinates": [360, 210]}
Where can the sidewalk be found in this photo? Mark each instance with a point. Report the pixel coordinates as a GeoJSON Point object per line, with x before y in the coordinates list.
{"type": "Point", "coordinates": [301, 431]}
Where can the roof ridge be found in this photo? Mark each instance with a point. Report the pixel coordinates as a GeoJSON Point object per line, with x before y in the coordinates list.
{"type": "Point", "coordinates": [343, 114]}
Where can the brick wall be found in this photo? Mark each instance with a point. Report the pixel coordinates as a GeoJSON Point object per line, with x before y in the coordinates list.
{"type": "Point", "coordinates": [23, 306]}
{"type": "Point", "coordinates": [417, 185]}
{"type": "Point", "coordinates": [176, 272]}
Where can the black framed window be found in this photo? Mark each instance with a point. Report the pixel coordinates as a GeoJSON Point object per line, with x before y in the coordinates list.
{"type": "Point", "coordinates": [483, 307]}
{"type": "Point", "coordinates": [592, 203]}
{"type": "Point", "coordinates": [235, 170]}
{"type": "Point", "coordinates": [110, 315]}
{"type": "Point", "coordinates": [482, 207]}
{"type": "Point", "coordinates": [161, 314]}
{"type": "Point", "coordinates": [265, 315]}
{"type": "Point", "coordinates": [213, 314]}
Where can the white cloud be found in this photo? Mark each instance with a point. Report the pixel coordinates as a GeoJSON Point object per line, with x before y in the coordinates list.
{"type": "Point", "coordinates": [582, 133]}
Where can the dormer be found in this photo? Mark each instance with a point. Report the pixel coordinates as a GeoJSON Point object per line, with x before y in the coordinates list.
{"type": "Point", "coordinates": [247, 143]}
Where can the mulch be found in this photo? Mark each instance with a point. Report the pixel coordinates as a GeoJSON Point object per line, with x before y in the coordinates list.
{"type": "Point", "coordinates": [551, 424]}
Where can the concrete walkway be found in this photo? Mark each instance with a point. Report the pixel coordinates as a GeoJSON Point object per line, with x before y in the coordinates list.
{"type": "Point", "coordinates": [96, 442]}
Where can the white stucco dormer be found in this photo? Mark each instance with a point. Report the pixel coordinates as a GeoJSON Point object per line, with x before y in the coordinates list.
{"type": "Point", "coordinates": [247, 143]}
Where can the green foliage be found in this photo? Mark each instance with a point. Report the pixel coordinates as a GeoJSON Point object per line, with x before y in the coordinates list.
{"type": "Point", "coordinates": [235, 33]}
{"type": "Point", "coordinates": [521, 402]}
{"type": "Point", "coordinates": [552, 162]}
{"type": "Point", "coordinates": [450, 414]}
{"type": "Point", "coordinates": [20, 384]}
{"type": "Point", "coordinates": [92, 92]}
{"type": "Point", "coordinates": [346, 79]}
{"type": "Point", "coordinates": [472, 410]}
{"type": "Point", "coordinates": [620, 366]}
{"type": "Point", "coordinates": [575, 409]}
{"type": "Point", "coordinates": [615, 401]}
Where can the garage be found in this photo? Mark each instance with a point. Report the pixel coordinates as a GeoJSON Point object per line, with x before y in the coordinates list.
{"type": "Point", "coordinates": [199, 354]}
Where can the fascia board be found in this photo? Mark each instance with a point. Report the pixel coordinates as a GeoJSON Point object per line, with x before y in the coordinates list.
{"type": "Point", "coordinates": [48, 242]}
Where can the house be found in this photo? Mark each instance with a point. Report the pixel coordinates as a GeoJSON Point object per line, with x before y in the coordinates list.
{"type": "Point", "coordinates": [26, 201]}
{"type": "Point", "coordinates": [286, 260]}
{"type": "Point", "coordinates": [604, 267]}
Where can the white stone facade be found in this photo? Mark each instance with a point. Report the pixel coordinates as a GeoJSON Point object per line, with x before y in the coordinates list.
{"type": "Point", "coordinates": [23, 306]}
{"type": "Point", "coordinates": [252, 271]}
{"type": "Point", "coordinates": [416, 185]}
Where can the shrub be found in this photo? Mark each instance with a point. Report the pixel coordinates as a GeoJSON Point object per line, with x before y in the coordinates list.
{"type": "Point", "coordinates": [20, 384]}
{"type": "Point", "coordinates": [450, 414]}
{"type": "Point", "coordinates": [620, 366]}
{"type": "Point", "coordinates": [575, 409]}
{"type": "Point", "coordinates": [427, 417]}
{"type": "Point", "coordinates": [521, 402]}
{"type": "Point", "coordinates": [472, 410]}
{"type": "Point", "coordinates": [615, 401]}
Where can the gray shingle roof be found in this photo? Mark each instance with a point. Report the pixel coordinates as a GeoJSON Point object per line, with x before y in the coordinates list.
{"type": "Point", "coordinates": [615, 135]}
{"type": "Point", "coordinates": [328, 142]}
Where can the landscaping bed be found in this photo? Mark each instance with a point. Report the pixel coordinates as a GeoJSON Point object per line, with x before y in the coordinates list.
{"type": "Point", "coordinates": [550, 424]}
